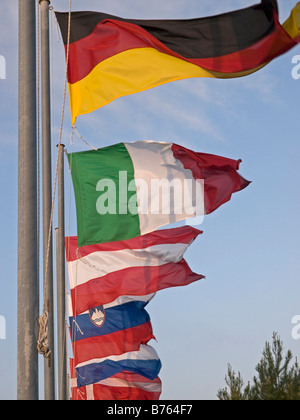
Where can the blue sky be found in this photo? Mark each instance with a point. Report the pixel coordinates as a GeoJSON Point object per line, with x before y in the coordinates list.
{"type": "Point", "coordinates": [249, 251]}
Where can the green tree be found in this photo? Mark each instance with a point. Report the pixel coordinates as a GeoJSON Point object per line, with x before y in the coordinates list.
{"type": "Point", "coordinates": [234, 390]}
{"type": "Point", "coordinates": [276, 379]}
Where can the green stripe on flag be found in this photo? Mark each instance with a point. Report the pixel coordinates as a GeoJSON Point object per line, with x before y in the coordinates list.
{"type": "Point", "coordinates": [101, 181]}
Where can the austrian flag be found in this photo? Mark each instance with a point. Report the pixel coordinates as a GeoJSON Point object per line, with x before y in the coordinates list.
{"type": "Point", "coordinates": [100, 274]}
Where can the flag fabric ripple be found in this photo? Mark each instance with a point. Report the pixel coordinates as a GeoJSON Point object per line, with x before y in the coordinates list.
{"type": "Point", "coordinates": [130, 189]}
{"type": "Point", "coordinates": [117, 328]}
{"type": "Point", "coordinates": [122, 386]}
{"type": "Point", "coordinates": [110, 57]}
{"type": "Point", "coordinates": [144, 362]}
{"type": "Point", "coordinates": [99, 274]}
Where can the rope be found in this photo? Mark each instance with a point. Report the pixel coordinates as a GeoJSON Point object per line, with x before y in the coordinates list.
{"type": "Point", "coordinates": [81, 138]}
{"type": "Point", "coordinates": [39, 139]}
{"type": "Point", "coordinates": [42, 344]}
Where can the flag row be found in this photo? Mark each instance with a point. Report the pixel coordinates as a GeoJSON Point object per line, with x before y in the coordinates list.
{"type": "Point", "coordinates": [125, 193]}
{"type": "Point", "coordinates": [111, 284]}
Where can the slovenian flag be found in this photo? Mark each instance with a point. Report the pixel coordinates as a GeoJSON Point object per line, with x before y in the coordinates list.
{"type": "Point", "coordinates": [116, 328]}
{"type": "Point", "coordinates": [99, 274]}
{"type": "Point", "coordinates": [130, 189]}
{"type": "Point", "coordinates": [110, 57]}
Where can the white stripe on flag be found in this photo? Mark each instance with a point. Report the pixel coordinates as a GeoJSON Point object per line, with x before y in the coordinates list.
{"type": "Point", "coordinates": [149, 158]}
{"type": "Point", "coordinates": [146, 352]}
{"type": "Point", "coordinates": [99, 264]}
{"type": "Point", "coordinates": [120, 301]}
{"type": "Point", "coordinates": [90, 393]}
{"type": "Point", "coordinates": [121, 383]}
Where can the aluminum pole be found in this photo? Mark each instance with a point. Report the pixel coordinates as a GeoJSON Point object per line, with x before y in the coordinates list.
{"type": "Point", "coordinates": [61, 283]}
{"type": "Point", "coordinates": [28, 286]}
{"type": "Point", "coordinates": [49, 365]}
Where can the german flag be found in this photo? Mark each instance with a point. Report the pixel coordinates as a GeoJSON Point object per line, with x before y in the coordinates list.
{"type": "Point", "coordinates": [110, 57]}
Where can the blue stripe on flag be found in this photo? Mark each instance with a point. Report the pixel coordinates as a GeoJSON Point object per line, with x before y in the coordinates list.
{"type": "Point", "coordinates": [96, 372]}
{"type": "Point", "coordinates": [117, 318]}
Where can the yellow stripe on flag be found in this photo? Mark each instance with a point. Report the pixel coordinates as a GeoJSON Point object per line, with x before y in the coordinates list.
{"type": "Point", "coordinates": [127, 73]}
{"type": "Point", "coordinates": [292, 25]}
{"type": "Point", "coordinates": [134, 71]}
{"type": "Point", "coordinates": [139, 69]}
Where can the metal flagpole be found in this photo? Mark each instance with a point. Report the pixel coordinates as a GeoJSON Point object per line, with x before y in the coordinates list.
{"type": "Point", "coordinates": [49, 364]}
{"type": "Point", "coordinates": [28, 287]}
{"type": "Point", "coordinates": [61, 283]}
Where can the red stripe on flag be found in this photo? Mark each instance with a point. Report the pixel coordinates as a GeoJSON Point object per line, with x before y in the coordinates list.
{"type": "Point", "coordinates": [110, 393]}
{"type": "Point", "coordinates": [181, 235]}
{"type": "Point", "coordinates": [220, 175]}
{"type": "Point", "coordinates": [116, 343]}
{"type": "Point", "coordinates": [136, 281]}
{"type": "Point", "coordinates": [111, 37]}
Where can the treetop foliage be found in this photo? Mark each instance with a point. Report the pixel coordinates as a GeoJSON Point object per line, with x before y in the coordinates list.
{"type": "Point", "coordinates": [277, 378]}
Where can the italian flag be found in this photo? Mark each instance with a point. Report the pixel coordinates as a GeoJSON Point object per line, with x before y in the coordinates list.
{"type": "Point", "coordinates": [130, 189]}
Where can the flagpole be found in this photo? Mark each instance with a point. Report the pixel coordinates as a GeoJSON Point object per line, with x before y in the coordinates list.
{"type": "Point", "coordinates": [49, 376]}
{"type": "Point", "coordinates": [28, 285]}
{"type": "Point", "coordinates": [61, 283]}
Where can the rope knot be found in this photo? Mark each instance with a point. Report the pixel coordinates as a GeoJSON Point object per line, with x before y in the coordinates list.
{"type": "Point", "coordinates": [42, 343]}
